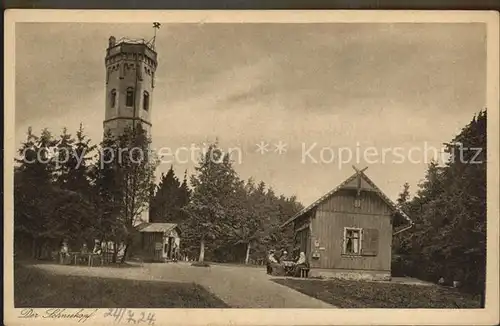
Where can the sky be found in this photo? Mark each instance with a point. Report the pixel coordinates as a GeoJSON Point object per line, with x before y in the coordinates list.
{"type": "Point", "coordinates": [315, 89]}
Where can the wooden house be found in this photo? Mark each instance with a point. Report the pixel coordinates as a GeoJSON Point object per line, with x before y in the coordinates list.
{"type": "Point", "coordinates": [159, 241]}
{"type": "Point", "coordinates": [347, 233]}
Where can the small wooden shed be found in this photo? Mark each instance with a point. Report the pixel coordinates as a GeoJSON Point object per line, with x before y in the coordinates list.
{"type": "Point", "coordinates": [159, 241]}
{"type": "Point", "coordinates": [347, 233]}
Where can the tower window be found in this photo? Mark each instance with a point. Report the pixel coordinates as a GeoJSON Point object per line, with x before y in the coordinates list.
{"type": "Point", "coordinates": [112, 99]}
{"type": "Point", "coordinates": [130, 97]}
{"type": "Point", "coordinates": [145, 102]}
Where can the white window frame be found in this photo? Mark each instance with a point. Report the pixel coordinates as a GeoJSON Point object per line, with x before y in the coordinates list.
{"type": "Point", "coordinates": [344, 242]}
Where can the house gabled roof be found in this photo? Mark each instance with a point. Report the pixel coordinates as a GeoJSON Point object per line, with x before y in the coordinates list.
{"type": "Point", "coordinates": [368, 183]}
{"type": "Point", "coordinates": [156, 227]}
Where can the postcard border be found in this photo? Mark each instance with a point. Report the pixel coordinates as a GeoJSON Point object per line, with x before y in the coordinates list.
{"type": "Point", "coordinates": [489, 315]}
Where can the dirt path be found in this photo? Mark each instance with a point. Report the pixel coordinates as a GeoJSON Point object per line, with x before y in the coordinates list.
{"type": "Point", "coordinates": [238, 286]}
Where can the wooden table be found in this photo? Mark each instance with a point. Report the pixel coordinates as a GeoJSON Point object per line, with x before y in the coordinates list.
{"type": "Point", "coordinates": [90, 257]}
{"type": "Point", "coordinates": [289, 266]}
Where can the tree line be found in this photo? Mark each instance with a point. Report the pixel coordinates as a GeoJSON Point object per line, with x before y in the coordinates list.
{"type": "Point", "coordinates": [449, 210]}
{"type": "Point", "coordinates": [231, 219]}
{"type": "Point", "coordinates": [65, 187]}
{"type": "Point", "coordinates": [82, 192]}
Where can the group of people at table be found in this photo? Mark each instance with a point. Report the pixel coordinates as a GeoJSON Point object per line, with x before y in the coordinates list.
{"type": "Point", "coordinates": [84, 255]}
{"type": "Point", "coordinates": [281, 263]}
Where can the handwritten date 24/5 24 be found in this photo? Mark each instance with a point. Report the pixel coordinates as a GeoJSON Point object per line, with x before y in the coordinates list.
{"type": "Point", "coordinates": [130, 316]}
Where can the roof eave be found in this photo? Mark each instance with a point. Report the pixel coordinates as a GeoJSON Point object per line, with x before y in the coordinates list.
{"type": "Point", "coordinates": [290, 220]}
{"type": "Point", "coordinates": [334, 190]}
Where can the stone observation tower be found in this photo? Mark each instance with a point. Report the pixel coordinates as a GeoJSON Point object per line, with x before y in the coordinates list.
{"type": "Point", "coordinates": [130, 78]}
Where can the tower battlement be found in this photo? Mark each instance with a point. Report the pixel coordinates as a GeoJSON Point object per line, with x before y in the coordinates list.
{"type": "Point", "coordinates": [129, 47]}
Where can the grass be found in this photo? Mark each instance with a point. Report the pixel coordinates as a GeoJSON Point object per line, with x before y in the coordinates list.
{"type": "Point", "coordinates": [363, 294]}
{"type": "Point", "coordinates": [36, 288]}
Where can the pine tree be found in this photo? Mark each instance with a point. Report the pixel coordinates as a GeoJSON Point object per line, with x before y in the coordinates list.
{"type": "Point", "coordinates": [404, 195]}
{"type": "Point", "coordinates": [44, 213]}
{"type": "Point", "coordinates": [449, 210]}
{"type": "Point", "coordinates": [65, 160]}
{"type": "Point", "coordinates": [134, 172]}
{"type": "Point", "coordinates": [107, 191]}
{"type": "Point", "coordinates": [31, 177]}
{"type": "Point", "coordinates": [165, 203]}
{"type": "Point", "coordinates": [83, 152]}
{"type": "Point", "coordinates": [463, 205]}
{"type": "Point", "coordinates": [35, 159]}
{"type": "Point", "coordinates": [72, 161]}
{"type": "Point", "coordinates": [214, 184]}
{"type": "Point", "coordinates": [184, 198]}
{"type": "Point", "coordinates": [247, 225]}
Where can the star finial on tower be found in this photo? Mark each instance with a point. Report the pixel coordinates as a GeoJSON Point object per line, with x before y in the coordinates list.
{"type": "Point", "coordinates": [156, 26]}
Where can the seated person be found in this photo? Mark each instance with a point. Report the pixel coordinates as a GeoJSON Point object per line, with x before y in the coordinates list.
{"type": "Point", "coordinates": [301, 263]}
{"type": "Point", "coordinates": [273, 265]}
{"type": "Point", "coordinates": [285, 256]}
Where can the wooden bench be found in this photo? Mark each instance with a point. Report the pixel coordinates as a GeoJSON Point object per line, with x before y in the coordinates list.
{"type": "Point", "coordinates": [304, 272]}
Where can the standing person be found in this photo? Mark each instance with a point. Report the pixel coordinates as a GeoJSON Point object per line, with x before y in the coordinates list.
{"type": "Point", "coordinates": [97, 248]}
{"type": "Point", "coordinates": [174, 252]}
{"type": "Point", "coordinates": [97, 251]}
{"type": "Point", "coordinates": [64, 252]}
{"type": "Point", "coordinates": [84, 251]}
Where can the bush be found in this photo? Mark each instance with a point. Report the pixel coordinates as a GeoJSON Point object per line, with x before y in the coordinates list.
{"type": "Point", "coordinates": [401, 266]}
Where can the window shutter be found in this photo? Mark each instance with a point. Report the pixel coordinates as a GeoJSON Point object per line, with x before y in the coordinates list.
{"type": "Point", "coordinates": [369, 246]}
{"type": "Point", "coordinates": [344, 241]}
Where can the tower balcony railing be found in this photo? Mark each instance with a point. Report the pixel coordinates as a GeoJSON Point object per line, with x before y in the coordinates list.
{"type": "Point", "coordinates": [133, 41]}
{"type": "Point", "coordinates": [115, 49]}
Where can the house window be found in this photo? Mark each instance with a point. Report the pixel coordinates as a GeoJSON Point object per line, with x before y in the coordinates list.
{"type": "Point", "coordinates": [130, 97]}
{"type": "Point", "coordinates": [113, 98]}
{"type": "Point", "coordinates": [352, 241]}
{"type": "Point", "coordinates": [145, 101]}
